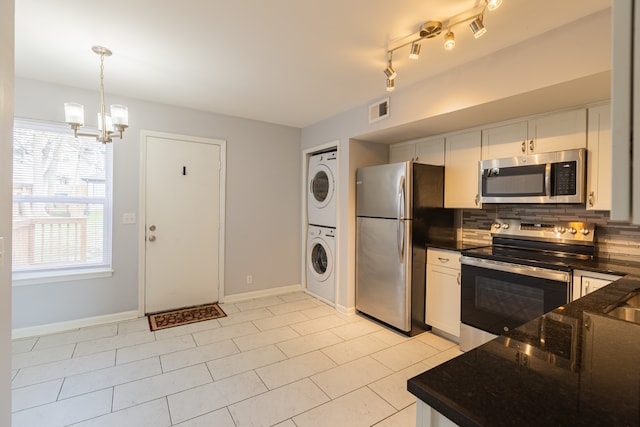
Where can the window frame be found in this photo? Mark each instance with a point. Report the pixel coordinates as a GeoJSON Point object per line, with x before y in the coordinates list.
{"type": "Point", "coordinates": [82, 271]}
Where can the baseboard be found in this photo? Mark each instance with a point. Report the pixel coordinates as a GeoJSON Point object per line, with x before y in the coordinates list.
{"type": "Point", "coordinates": [52, 328]}
{"type": "Point", "coordinates": [345, 310]}
{"type": "Point", "coordinates": [230, 299]}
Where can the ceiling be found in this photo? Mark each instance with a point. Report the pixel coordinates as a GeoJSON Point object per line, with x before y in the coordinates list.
{"type": "Point", "coordinates": [290, 62]}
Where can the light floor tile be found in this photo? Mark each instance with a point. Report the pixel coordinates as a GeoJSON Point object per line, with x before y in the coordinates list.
{"type": "Point", "coordinates": [404, 355]}
{"type": "Point", "coordinates": [155, 348]}
{"type": "Point", "coordinates": [229, 308]}
{"type": "Point", "coordinates": [287, 423]}
{"type": "Point", "coordinates": [151, 388]}
{"type": "Point", "coordinates": [317, 325]}
{"type": "Point", "coordinates": [219, 418]}
{"type": "Point", "coordinates": [436, 341]}
{"type": "Point", "coordinates": [442, 357]}
{"type": "Point", "coordinates": [390, 337]}
{"type": "Point", "coordinates": [278, 405]}
{"type": "Point", "coordinates": [196, 355]}
{"type": "Point", "coordinates": [258, 303]}
{"type": "Point", "coordinates": [210, 397]}
{"type": "Point", "coordinates": [245, 361]}
{"type": "Point", "coordinates": [244, 316]}
{"type": "Point", "coordinates": [361, 408]}
{"type": "Point", "coordinates": [295, 296]}
{"type": "Point", "coordinates": [280, 320]}
{"type": "Point", "coordinates": [111, 343]}
{"type": "Point", "coordinates": [150, 414]}
{"type": "Point", "coordinates": [35, 395]}
{"type": "Point", "coordinates": [79, 335]}
{"type": "Point", "coordinates": [319, 311]}
{"type": "Point", "coordinates": [393, 388]}
{"type": "Point", "coordinates": [225, 333]}
{"type": "Point", "coordinates": [288, 307]}
{"type": "Point", "coordinates": [404, 418]}
{"type": "Point", "coordinates": [350, 376]}
{"type": "Point", "coordinates": [63, 368]}
{"type": "Point", "coordinates": [190, 328]}
{"type": "Point", "coordinates": [23, 345]}
{"type": "Point", "coordinates": [356, 329]}
{"type": "Point", "coordinates": [65, 412]}
{"type": "Point", "coordinates": [294, 369]}
{"type": "Point", "coordinates": [135, 325]}
{"type": "Point", "coordinates": [353, 349]}
{"type": "Point", "coordinates": [272, 336]}
{"type": "Point", "coordinates": [40, 357]}
{"type": "Point", "coordinates": [109, 377]}
{"type": "Point", "coordinates": [308, 343]}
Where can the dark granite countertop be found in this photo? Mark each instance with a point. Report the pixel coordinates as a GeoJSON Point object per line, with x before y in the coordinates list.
{"type": "Point", "coordinates": [574, 366]}
{"type": "Point", "coordinates": [453, 246]}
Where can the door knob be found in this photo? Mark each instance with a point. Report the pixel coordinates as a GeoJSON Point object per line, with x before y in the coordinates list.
{"type": "Point", "coordinates": [152, 238]}
{"type": "Point", "coordinates": [152, 228]}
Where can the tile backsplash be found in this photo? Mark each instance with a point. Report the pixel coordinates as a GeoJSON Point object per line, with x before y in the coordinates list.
{"type": "Point", "coordinates": [614, 240]}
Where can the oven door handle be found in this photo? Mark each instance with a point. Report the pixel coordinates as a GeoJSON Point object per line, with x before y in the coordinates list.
{"type": "Point", "coordinates": [525, 270]}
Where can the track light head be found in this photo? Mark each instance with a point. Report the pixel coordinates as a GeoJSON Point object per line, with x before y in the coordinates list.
{"type": "Point", "coordinates": [415, 50]}
{"type": "Point", "coordinates": [390, 85]}
{"type": "Point", "coordinates": [449, 40]}
{"type": "Point", "coordinates": [390, 72]}
{"type": "Point", "coordinates": [493, 4]}
{"type": "Point", "coordinates": [430, 29]}
{"type": "Point", "coordinates": [478, 27]}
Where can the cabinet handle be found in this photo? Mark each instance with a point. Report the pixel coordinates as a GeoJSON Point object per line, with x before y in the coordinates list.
{"type": "Point", "coordinates": [524, 147]}
{"type": "Point", "coordinates": [531, 146]}
{"type": "Point", "coordinates": [443, 259]}
{"type": "Point", "coordinates": [477, 200]}
{"type": "Point", "coordinates": [458, 279]}
{"type": "Point", "coordinates": [586, 288]}
{"type": "Point", "coordinates": [591, 198]}
{"type": "Point", "coordinates": [417, 158]}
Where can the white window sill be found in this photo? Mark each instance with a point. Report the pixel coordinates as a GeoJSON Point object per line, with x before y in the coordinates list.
{"type": "Point", "coordinates": [28, 278]}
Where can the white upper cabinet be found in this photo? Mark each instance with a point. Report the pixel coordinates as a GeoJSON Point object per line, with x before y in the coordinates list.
{"type": "Point", "coordinates": [553, 132]}
{"type": "Point", "coordinates": [599, 158]}
{"type": "Point", "coordinates": [461, 170]}
{"type": "Point", "coordinates": [429, 151]}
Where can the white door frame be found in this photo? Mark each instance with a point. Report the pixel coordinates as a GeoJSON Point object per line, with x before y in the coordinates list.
{"type": "Point", "coordinates": [144, 134]}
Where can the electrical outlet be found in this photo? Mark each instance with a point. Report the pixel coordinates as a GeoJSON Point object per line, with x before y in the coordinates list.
{"type": "Point", "coordinates": [249, 279]}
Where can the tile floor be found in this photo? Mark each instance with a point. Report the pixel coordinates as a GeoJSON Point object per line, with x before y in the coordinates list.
{"type": "Point", "coordinates": [287, 361]}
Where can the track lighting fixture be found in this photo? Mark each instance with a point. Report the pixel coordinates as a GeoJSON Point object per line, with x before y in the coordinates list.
{"type": "Point", "coordinates": [432, 29]}
{"type": "Point", "coordinates": [415, 50]}
{"type": "Point", "coordinates": [449, 41]}
{"type": "Point", "coordinates": [477, 27]}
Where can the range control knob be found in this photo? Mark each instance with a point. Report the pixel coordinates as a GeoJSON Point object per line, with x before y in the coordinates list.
{"type": "Point", "coordinates": [560, 230]}
{"type": "Point", "coordinates": [572, 230]}
{"type": "Point", "coordinates": [496, 225]}
{"type": "Point", "coordinates": [505, 226]}
{"type": "Point", "coordinates": [584, 231]}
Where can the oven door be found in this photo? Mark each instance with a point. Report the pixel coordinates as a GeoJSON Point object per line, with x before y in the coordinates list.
{"type": "Point", "coordinates": [499, 296]}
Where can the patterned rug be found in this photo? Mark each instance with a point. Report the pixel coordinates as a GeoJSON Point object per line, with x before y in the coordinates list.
{"type": "Point", "coordinates": [183, 316]}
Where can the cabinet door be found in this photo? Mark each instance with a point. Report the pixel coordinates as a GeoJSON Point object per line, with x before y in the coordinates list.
{"type": "Point", "coordinates": [430, 151]}
{"type": "Point", "coordinates": [505, 141]}
{"type": "Point", "coordinates": [590, 284]}
{"type": "Point", "coordinates": [461, 170]}
{"type": "Point", "coordinates": [560, 131]}
{"type": "Point", "coordinates": [599, 158]}
{"type": "Point", "coordinates": [402, 153]}
{"type": "Point", "coordinates": [442, 308]}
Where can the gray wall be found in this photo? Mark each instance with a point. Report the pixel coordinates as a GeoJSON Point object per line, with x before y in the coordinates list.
{"type": "Point", "coordinates": [263, 199]}
{"type": "Point", "coordinates": [6, 129]}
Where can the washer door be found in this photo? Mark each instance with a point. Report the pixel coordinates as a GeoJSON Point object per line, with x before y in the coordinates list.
{"type": "Point", "coordinates": [320, 259]}
{"type": "Point", "coordinates": [321, 186]}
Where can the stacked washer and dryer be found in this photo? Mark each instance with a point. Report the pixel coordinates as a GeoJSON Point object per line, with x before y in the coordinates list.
{"type": "Point", "coordinates": [322, 216]}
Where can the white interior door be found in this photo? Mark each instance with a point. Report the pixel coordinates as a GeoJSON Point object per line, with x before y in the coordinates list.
{"type": "Point", "coordinates": [182, 236]}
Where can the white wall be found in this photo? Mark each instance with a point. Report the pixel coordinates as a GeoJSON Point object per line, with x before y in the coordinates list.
{"type": "Point", "coordinates": [262, 207]}
{"type": "Point", "coordinates": [6, 152]}
{"type": "Point", "coordinates": [559, 57]}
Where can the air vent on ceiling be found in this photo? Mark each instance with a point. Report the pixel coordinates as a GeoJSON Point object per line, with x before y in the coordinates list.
{"type": "Point", "coordinates": [379, 110]}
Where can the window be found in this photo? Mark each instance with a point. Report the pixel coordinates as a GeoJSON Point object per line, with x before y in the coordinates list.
{"type": "Point", "coordinates": [61, 202]}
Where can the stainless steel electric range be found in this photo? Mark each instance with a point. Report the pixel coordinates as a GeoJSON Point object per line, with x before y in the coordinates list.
{"type": "Point", "coordinates": [526, 272]}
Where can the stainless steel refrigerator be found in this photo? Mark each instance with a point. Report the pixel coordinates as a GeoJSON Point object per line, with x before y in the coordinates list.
{"type": "Point", "coordinates": [399, 210]}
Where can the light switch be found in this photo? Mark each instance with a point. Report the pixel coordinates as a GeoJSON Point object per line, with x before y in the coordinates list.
{"type": "Point", "coordinates": [129, 218]}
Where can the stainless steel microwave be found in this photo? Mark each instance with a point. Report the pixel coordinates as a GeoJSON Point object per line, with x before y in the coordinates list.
{"type": "Point", "coordinates": [557, 177]}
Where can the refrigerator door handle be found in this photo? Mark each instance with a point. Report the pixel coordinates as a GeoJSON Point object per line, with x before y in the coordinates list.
{"type": "Point", "coordinates": [400, 233]}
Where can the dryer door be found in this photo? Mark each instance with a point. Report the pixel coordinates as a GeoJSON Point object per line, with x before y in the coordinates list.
{"type": "Point", "coordinates": [320, 260]}
{"type": "Point", "coordinates": [321, 186]}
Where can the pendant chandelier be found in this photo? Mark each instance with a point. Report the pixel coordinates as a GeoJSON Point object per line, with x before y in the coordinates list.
{"type": "Point", "coordinates": [109, 126]}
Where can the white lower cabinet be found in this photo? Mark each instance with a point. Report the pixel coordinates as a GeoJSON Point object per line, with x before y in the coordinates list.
{"type": "Point", "coordinates": [585, 282]}
{"type": "Point", "coordinates": [442, 305]}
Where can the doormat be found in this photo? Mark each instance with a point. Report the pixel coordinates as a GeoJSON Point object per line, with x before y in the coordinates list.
{"type": "Point", "coordinates": [184, 316]}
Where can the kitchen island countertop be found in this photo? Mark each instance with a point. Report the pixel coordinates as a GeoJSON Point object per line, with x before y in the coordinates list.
{"type": "Point", "coordinates": [574, 366]}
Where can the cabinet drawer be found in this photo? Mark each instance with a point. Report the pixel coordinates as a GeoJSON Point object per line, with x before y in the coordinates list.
{"type": "Point", "coordinates": [443, 258]}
